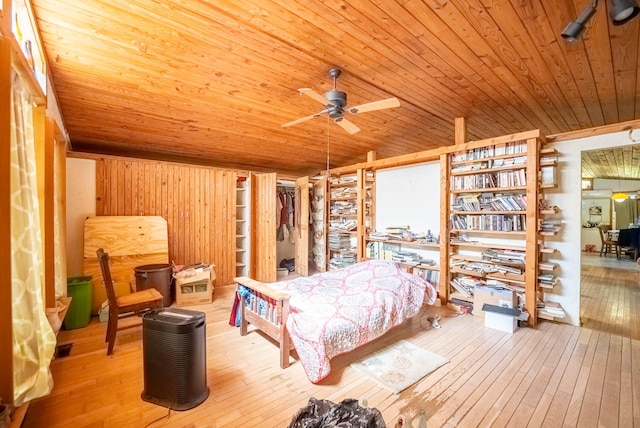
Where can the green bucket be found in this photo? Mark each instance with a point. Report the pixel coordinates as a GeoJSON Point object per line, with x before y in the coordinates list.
{"type": "Point", "coordinates": [80, 289]}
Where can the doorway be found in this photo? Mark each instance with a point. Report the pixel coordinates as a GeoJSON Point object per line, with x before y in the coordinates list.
{"type": "Point", "coordinates": [608, 283]}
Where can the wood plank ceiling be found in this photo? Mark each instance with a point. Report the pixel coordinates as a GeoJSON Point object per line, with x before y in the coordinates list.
{"type": "Point", "coordinates": [212, 82]}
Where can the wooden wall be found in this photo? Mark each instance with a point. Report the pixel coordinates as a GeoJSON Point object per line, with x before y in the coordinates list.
{"type": "Point", "coordinates": [197, 202]}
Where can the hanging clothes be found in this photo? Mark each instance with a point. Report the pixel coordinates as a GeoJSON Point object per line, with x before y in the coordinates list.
{"type": "Point", "coordinates": [285, 214]}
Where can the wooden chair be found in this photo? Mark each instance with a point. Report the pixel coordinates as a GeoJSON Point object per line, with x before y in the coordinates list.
{"type": "Point", "coordinates": [608, 244]}
{"type": "Point", "coordinates": [124, 306]}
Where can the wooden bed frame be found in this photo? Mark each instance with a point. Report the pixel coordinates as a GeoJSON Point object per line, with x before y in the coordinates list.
{"type": "Point", "coordinates": [272, 319]}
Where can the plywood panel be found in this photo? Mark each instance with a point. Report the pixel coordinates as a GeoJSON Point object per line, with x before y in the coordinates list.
{"type": "Point", "coordinates": [131, 241]}
{"type": "Point", "coordinates": [198, 204]}
{"type": "Point", "coordinates": [125, 235]}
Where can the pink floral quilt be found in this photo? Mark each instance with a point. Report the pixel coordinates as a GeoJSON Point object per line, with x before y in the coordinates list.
{"type": "Point", "coordinates": [337, 311]}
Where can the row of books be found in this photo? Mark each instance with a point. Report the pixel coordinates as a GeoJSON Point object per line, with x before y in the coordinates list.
{"type": "Point", "coordinates": [489, 180]}
{"type": "Point", "coordinates": [344, 207]}
{"type": "Point", "coordinates": [343, 225]}
{"type": "Point", "coordinates": [489, 222]}
{"type": "Point", "coordinates": [547, 280]}
{"type": "Point", "coordinates": [553, 309]}
{"type": "Point", "coordinates": [344, 192]}
{"type": "Point", "coordinates": [339, 241]}
{"type": "Point", "coordinates": [489, 201]}
{"type": "Point", "coordinates": [501, 149]}
{"type": "Point", "coordinates": [550, 225]}
{"type": "Point", "coordinates": [465, 284]}
{"type": "Point", "coordinates": [342, 259]}
{"type": "Point", "coordinates": [504, 255]}
{"type": "Point", "coordinates": [430, 275]}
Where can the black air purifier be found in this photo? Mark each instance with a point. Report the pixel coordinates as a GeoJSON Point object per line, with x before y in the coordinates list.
{"type": "Point", "coordinates": [175, 360]}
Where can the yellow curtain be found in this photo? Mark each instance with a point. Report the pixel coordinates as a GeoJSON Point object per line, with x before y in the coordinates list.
{"type": "Point", "coordinates": [33, 339]}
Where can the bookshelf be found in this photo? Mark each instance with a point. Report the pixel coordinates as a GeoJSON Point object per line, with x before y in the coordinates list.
{"type": "Point", "coordinates": [351, 216]}
{"type": "Point", "coordinates": [398, 251]}
{"type": "Point", "coordinates": [491, 219]}
{"type": "Point", "coordinates": [242, 227]}
{"type": "Point", "coordinates": [549, 227]}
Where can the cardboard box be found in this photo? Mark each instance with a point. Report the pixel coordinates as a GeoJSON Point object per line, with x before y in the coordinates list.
{"type": "Point", "coordinates": [492, 296]}
{"type": "Point", "coordinates": [500, 318]}
{"type": "Point", "coordinates": [194, 286]}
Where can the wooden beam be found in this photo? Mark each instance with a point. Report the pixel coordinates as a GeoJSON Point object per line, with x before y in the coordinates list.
{"type": "Point", "coordinates": [592, 132]}
{"type": "Point", "coordinates": [433, 154]}
{"type": "Point", "coordinates": [49, 207]}
{"type": "Point", "coordinates": [6, 323]}
{"type": "Point", "coordinates": [460, 130]}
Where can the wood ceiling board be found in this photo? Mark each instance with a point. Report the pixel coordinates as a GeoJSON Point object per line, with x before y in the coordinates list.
{"type": "Point", "coordinates": [215, 81]}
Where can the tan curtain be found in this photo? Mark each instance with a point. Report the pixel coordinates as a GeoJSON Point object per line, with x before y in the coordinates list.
{"type": "Point", "coordinates": [33, 339]}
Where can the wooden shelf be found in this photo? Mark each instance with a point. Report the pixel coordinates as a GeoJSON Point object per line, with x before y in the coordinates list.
{"type": "Point", "coordinates": [546, 250]}
{"type": "Point", "coordinates": [66, 301]}
{"type": "Point", "coordinates": [492, 169]}
{"type": "Point", "coordinates": [490, 189]}
{"type": "Point", "coordinates": [406, 243]}
{"type": "Point", "coordinates": [488, 245]}
{"type": "Point", "coordinates": [549, 186]}
{"type": "Point", "coordinates": [496, 232]}
{"type": "Point", "coordinates": [459, 296]}
{"type": "Point", "coordinates": [487, 212]}
{"type": "Point", "coordinates": [549, 211]}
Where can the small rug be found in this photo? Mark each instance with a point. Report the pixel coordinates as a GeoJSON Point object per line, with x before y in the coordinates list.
{"type": "Point", "coordinates": [400, 365]}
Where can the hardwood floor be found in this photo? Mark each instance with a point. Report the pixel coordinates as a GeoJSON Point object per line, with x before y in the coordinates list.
{"type": "Point", "coordinates": [610, 295]}
{"type": "Point", "coordinates": [553, 375]}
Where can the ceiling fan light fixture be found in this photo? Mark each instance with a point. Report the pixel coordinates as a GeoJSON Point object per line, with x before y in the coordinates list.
{"type": "Point", "coordinates": [575, 28]}
{"type": "Point", "coordinates": [619, 197]}
{"type": "Point", "coordinates": [623, 11]}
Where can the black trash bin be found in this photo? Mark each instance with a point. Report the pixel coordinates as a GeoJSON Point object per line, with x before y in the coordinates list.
{"type": "Point", "coordinates": [158, 276]}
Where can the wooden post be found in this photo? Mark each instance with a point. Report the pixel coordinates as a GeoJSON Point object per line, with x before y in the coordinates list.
{"type": "Point", "coordinates": [445, 235]}
{"type": "Point", "coordinates": [6, 330]}
{"type": "Point", "coordinates": [460, 130]}
{"type": "Point", "coordinates": [531, 260]}
{"type": "Point", "coordinates": [371, 156]}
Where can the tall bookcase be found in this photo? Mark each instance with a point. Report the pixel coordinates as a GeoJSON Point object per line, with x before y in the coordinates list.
{"type": "Point", "coordinates": [242, 226]}
{"type": "Point", "coordinates": [492, 218]}
{"type": "Point", "coordinates": [351, 216]}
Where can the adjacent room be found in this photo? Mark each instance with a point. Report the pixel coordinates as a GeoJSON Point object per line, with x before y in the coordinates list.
{"type": "Point", "coordinates": [292, 214]}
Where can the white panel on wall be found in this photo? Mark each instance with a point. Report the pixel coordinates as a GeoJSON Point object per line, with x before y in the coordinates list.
{"type": "Point", "coordinates": [81, 203]}
{"type": "Point", "coordinates": [409, 195]}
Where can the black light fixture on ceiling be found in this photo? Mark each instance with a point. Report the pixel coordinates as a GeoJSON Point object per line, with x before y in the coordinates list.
{"type": "Point", "coordinates": [573, 30]}
{"type": "Point", "coordinates": [622, 11]}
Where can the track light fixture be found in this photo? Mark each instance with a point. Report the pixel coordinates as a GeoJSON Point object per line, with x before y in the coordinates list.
{"type": "Point", "coordinates": [573, 30]}
{"type": "Point", "coordinates": [622, 11]}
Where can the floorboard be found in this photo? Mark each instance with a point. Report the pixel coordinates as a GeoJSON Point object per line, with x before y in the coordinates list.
{"type": "Point", "coordinates": [551, 375]}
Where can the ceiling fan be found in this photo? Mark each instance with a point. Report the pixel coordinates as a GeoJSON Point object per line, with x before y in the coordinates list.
{"type": "Point", "coordinates": [335, 104]}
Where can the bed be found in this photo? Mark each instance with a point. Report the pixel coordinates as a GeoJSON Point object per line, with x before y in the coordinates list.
{"type": "Point", "coordinates": [333, 312]}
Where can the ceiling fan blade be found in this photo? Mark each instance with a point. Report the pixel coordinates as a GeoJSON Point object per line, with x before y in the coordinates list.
{"type": "Point", "coordinates": [375, 105]}
{"type": "Point", "coordinates": [347, 125]}
{"type": "Point", "coordinates": [302, 119]}
{"type": "Point", "coordinates": [313, 94]}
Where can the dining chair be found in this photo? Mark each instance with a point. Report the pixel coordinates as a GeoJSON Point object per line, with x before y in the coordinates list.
{"type": "Point", "coordinates": [608, 244]}
{"type": "Point", "coordinates": [124, 306]}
